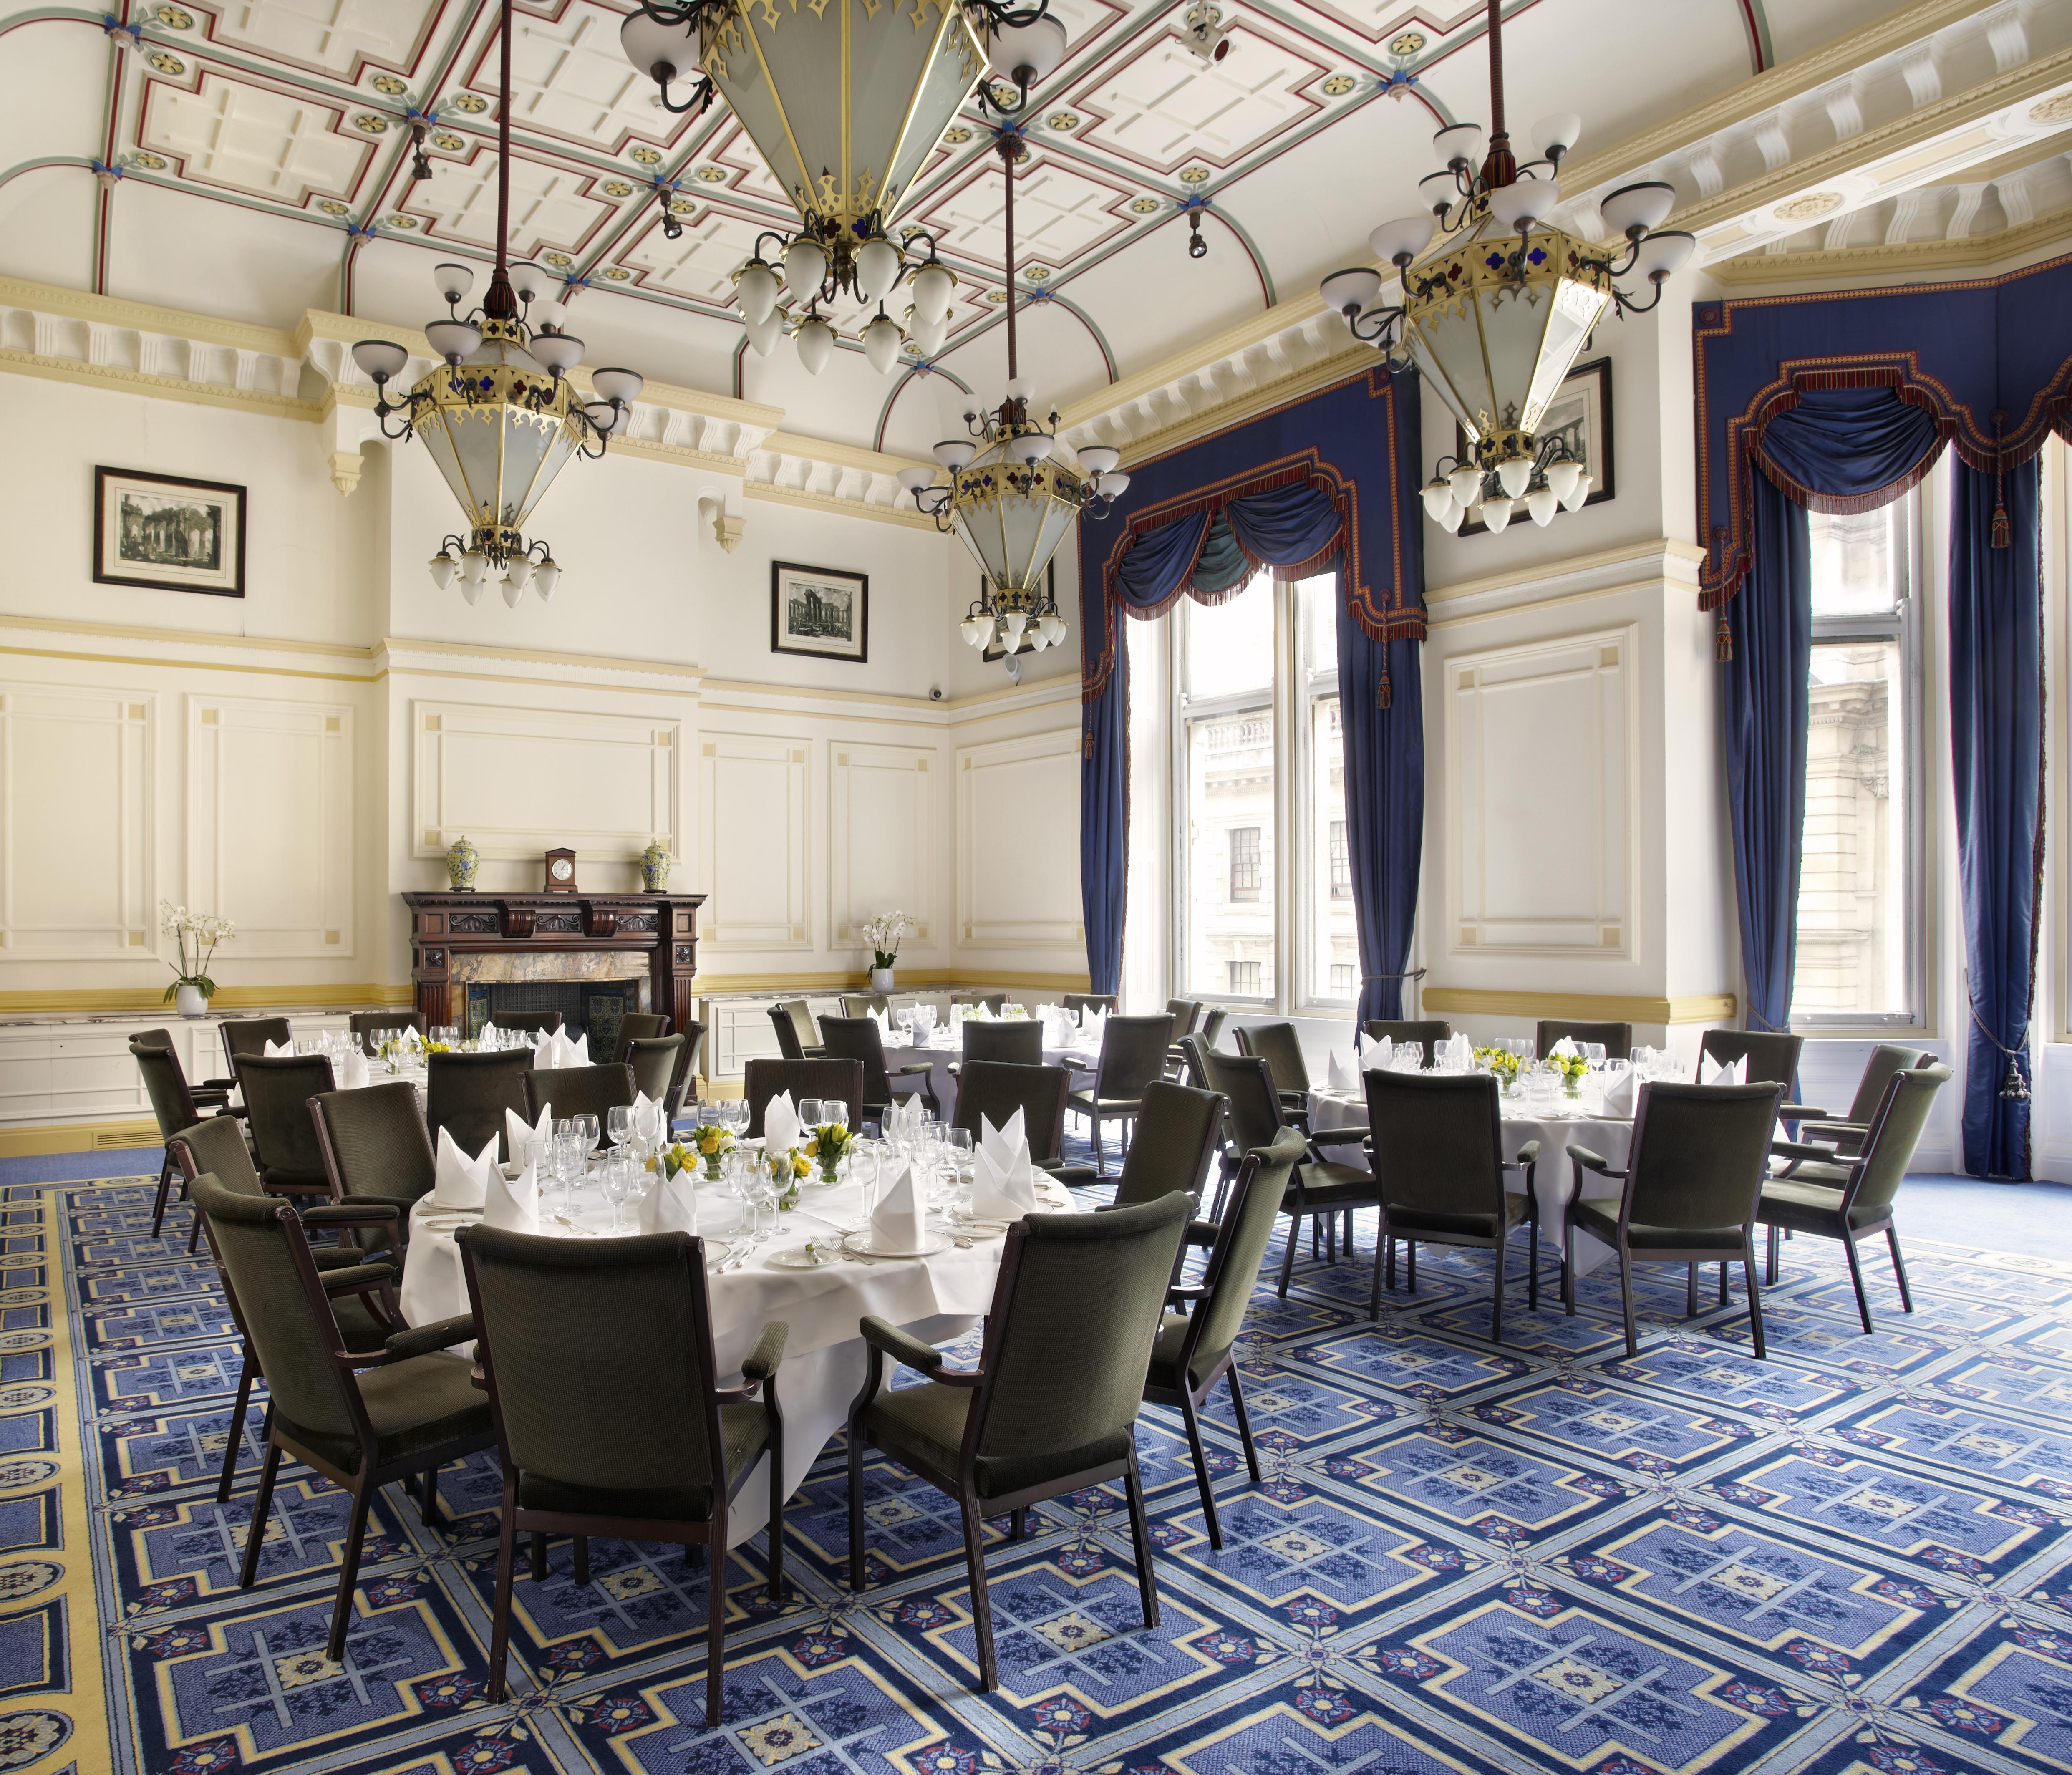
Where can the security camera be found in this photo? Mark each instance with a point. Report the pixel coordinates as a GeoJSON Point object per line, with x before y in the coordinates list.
{"type": "Point", "coordinates": [1203, 34]}
{"type": "Point", "coordinates": [935, 694]}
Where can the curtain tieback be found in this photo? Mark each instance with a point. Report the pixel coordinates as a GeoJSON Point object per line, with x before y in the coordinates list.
{"type": "Point", "coordinates": [2002, 536]}
{"type": "Point", "coordinates": [2014, 1087]}
{"type": "Point", "coordinates": [1414, 973]}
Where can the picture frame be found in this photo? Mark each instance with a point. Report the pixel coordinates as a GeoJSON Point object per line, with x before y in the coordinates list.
{"type": "Point", "coordinates": [1582, 407]}
{"type": "Point", "coordinates": [821, 612]}
{"type": "Point", "coordinates": [167, 533]}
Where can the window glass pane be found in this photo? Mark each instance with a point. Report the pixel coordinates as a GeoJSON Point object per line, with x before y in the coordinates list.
{"type": "Point", "coordinates": [1333, 946]}
{"type": "Point", "coordinates": [1852, 911]}
{"type": "Point", "coordinates": [1316, 600]}
{"type": "Point", "coordinates": [1230, 646]}
{"type": "Point", "coordinates": [1230, 865]}
{"type": "Point", "coordinates": [1855, 561]}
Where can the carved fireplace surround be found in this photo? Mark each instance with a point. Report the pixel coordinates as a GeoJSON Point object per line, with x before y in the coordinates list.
{"type": "Point", "coordinates": [456, 937]}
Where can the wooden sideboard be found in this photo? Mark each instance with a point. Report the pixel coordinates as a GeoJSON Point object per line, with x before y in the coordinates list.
{"type": "Point", "coordinates": [657, 932]}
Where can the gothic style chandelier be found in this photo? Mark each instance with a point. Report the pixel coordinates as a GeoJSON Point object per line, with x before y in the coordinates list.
{"type": "Point", "coordinates": [1008, 500]}
{"type": "Point", "coordinates": [1494, 319]}
{"type": "Point", "coordinates": [845, 99]}
{"type": "Point", "coordinates": [499, 416]}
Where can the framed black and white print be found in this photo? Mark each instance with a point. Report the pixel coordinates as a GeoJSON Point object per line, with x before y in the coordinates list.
{"type": "Point", "coordinates": [168, 533]}
{"type": "Point", "coordinates": [820, 611]}
{"type": "Point", "coordinates": [1580, 415]}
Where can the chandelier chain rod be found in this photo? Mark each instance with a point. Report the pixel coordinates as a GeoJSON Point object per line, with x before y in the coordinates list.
{"type": "Point", "coordinates": [1007, 170]}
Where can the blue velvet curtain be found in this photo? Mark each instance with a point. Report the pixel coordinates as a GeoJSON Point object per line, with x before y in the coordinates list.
{"type": "Point", "coordinates": [1997, 759]}
{"type": "Point", "coordinates": [1384, 805]}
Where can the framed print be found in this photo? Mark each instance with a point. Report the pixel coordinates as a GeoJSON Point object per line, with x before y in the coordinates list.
{"type": "Point", "coordinates": [819, 611]}
{"type": "Point", "coordinates": [1580, 413]}
{"type": "Point", "coordinates": [163, 531]}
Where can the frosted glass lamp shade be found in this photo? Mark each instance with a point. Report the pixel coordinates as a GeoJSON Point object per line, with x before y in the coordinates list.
{"type": "Point", "coordinates": [1098, 458]}
{"type": "Point", "coordinates": [1038, 48]}
{"type": "Point", "coordinates": [933, 286]}
{"type": "Point", "coordinates": [1030, 447]}
{"type": "Point", "coordinates": [1465, 482]}
{"type": "Point", "coordinates": [471, 589]}
{"type": "Point", "coordinates": [453, 281]}
{"type": "Point", "coordinates": [1459, 143]}
{"type": "Point", "coordinates": [928, 336]}
{"type": "Point", "coordinates": [1496, 513]}
{"type": "Point", "coordinates": [473, 565]}
{"type": "Point", "coordinates": [877, 270]}
{"type": "Point", "coordinates": [1554, 136]}
{"type": "Point", "coordinates": [882, 341]}
{"type": "Point", "coordinates": [620, 385]}
{"type": "Point", "coordinates": [805, 267]}
{"type": "Point", "coordinates": [1053, 626]}
{"type": "Point", "coordinates": [1562, 476]}
{"type": "Point", "coordinates": [953, 453]}
{"type": "Point", "coordinates": [1576, 500]}
{"type": "Point", "coordinates": [513, 589]}
{"type": "Point", "coordinates": [1350, 291]}
{"type": "Point", "coordinates": [442, 566]}
{"type": "Point", "coordinates": [1451, 522]}
{"type": "Point", "coordinates": [546, 577]}
{"type": "Point", "coordinates": [1525, 203]}
{"type": "Point", "coordinates": [520, 571]}
{"type": "Point", "coordinates": [764, 334]}
{"type": "Point", "coordinates": [379, 357]}
{"type": "Point", "coordinates": [1515, 473]}
{"type": "Point", "coordinates": [530, 282]}
{"type": "Point", "coordinates": [756, 289]}
{"type": "Point", "coordinates": [560, 352]}
{"type": "Point", "coordinates": [1542, 504]}
{"type": "Point", "coordinates": [1114, 485]}
{"type": "Point", "coordinates": [916, 477]}
{"type": "Point", "coordinates": [1664, 254]}
{"type": "Point", "coordinates": [650, 47]}
{"type": "Point", "coordinates": [1405, 238]}
{"type": "Point", "coordinates": [1644, 206]}
{"type": "Point", "coordinates": [454, 339]}
{"type": "Point", "coordinates": [1438, 498]}
{"type": "Point", "coordinates": [817, 345]}
{"type": "Point", "coordinates": [1439, 191]}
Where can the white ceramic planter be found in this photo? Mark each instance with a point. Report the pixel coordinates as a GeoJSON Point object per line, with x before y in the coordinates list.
{"type": "Point", "coordinates": [881, 979]}
{"type": "Point", "coordinates": [191, 1002]}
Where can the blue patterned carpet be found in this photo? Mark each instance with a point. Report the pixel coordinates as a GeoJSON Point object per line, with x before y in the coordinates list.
{"type": "Point", "coordinates": [1852, 1557]}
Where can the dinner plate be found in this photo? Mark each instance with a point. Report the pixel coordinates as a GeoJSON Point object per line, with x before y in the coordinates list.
{"type": "Point", "coordinates": [861, 1244]}
{"type": "Point", "coordinates": [815, 1255]}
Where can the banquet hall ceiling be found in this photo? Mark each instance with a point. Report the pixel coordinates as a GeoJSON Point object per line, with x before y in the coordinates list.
{"type": "Point", "coordinates": [265, 151]}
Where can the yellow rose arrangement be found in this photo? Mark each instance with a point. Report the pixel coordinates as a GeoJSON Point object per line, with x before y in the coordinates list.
{"type": "Point", "coordinates": [787, 1168]}
{"type": "Point", "coordinates": [827, 1143]}
{"type": "Point", "coordinates": [438, 1047]}
{"type": "Point", "coordinates": [711, 1142]}
{"type": "Point", "coordinates": [674, 1158]}
{"type": "Point", "coordinates": [1502, 1063]}
{"type": "Point", "coordinates": [1571, 1067]}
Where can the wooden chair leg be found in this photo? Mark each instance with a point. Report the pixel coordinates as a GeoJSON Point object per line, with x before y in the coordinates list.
{"type": "Point", "coordinates": [499, 1611]}
{"type": "Point", "coordinates": [1139, 1534]}
{"type": "Point", "coordinates": [1410, 1263]}
{"type": "Point", "coordinates": [234, 1440]}
{"type": "Point", "coordinates": [194, 1230]}
{"type": "Point", "coordinates": [539, 1557]}
{"type": "Point", "coordinates": [1244, 1422]}
{"type": "Point", "coordinates": [579, 1547]}
{"type": "Point", "coordinates": [165, 1188]}
{"type": "Point", "coordinates": [856, 1554]}
{"type": "Point", "coordinates": [715, 1624]}
{"type": "Point", "coordinates": [1017, 1524]}
{"type": "Point", "coordinates": [1625, 1299]}
{"type": "Point", "coordinates": [1690, 1291]}
{"type": "Point", "coordinates": [1496, 1296]}
{"type": "Point", "coordinates": [1288, 1252]}
{"type": "Point", "coordinates": [262, 1500]}
{"type": "Point", "coordinates": [1755, 1300]}
{"type": "Point", "coordinates": [348, 1575]}
{"type": "Point", "coordinates": [776, 1507]}
{"type": "Point", "coordinates": [1723, 1284]}
{"type": "Point", "coordinates": [1201, 1465]}
{"type": "Point", "coordinates": [1388, 1245]}
{"type": "Point", "coordinates": [1857, 1276]}
{"type": "Point", "coordinates": [1898, 1269]}
{"type": "Point", "coordinates": [1100, 1158]}
{"type": "Point", "coordinates": [1769, 1268]}
{"type": "Point", "coordinates": [1568, 1268]}
{"type": "Point", "coordinates": [1349, 1232]}
{"type": "Point", "coordinates": [988, 1672]}
{"type": "Point", "coordinates": [428, 1510]}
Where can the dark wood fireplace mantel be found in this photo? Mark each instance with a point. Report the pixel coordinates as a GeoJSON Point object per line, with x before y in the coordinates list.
{"type": "Point", "coordinates": [657, 932]}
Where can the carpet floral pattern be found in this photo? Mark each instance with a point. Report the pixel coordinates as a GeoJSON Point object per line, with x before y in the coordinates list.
{"type": "Point", "coordinates": [1850, 1559]}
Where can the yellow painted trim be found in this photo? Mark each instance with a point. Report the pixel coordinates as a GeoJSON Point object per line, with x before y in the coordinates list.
{"type": "Point", "coordinates": [550, 656]}
{"type": "Point", "coordinates": [1579, 1007]}
{"type": "Point", "coordinates": [127, 1134]}
{"type": "Point", "coordinates": [66, 625]}
{"type": "Point", "coordinates": [145, 318]}
{"type": "Point", "coordinates": [827, 502]}
{"type": "Point", "coordinates": [730, 985]}
{"type": "Point", "coordinates": [189, 665]}
{"type": "Point", "coordinates": [159, 387]}
{"type": "Point", "coordinates": [1905, 258]}
{"type": "Point", "coordinates": [822, 449]}
{"type": "Point", "coordinates": [94, 1001]}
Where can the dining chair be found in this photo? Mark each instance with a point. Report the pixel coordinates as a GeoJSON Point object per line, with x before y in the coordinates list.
{"type": "Point", "coordinates": [638, 1026]}
{"type": "Point", "coordinates": [1077, 1002]}
{"type": "Point", "coordinates": [1133, 1053]}
{"type": "Point", "coordinates": [1426, 1032]}
{"type": "Point", "coordinates": [360, 1418]}
{"type": "Point", "coordinates": [1281, 1049]}
{"type": "Point", "coordinates": [684, 1087]}
{"type": "Point", "coordinates": [1213, 1020]}
{"type": "Point", "coordinates": [623, 1430]}
{"type": "Point", "coordinates": [1191, 1050]}
{"type": "Point", "coordinates": [1194, 1350]}
{"type": "Point", "coordinates": [1844, 1134]}
{"type": "Point", "coordinates": [467, 1094]}
{"type": "Point", "coordinates": [1052, 1406]}
{"type": "Point", "coordinates": [173, 1106]}
{"type": "Point", "coordinates": [1617, 1037]}
{"type": "Point", "coordinates": [1692, 1178]}
{"type": "Point", "coordinates": [578, 1091]}
{"type": "Point", "coordinates": [993, 1002]}
{"type": "Point", "coordinates": [1852, 1199]}
{"type": "Point", "coordinates": [377, 1149]}
{"type": "Point", "coordinates": [1324, 1188]}
{"type": "Point", "coordinates": [1772, 1055]}
{"type": "Point", "coordinates": [763, 1078]}
{"type": "Point", "coordinates": [857, 1038]}
{"type": "Point", "coordinates": [1178, 1136]}
{"type": "Point", "coordinates": [250, 1035]}
{"type": "Point", "coordinates": [1185, 1013]}
{"type": "Point", "coordinates": [371, 1028]}
{"type": "Point", "coordinates": [361, 1291]}
{"type": "Point", "coordinates": [992, 1090]}
{"type": "Point", "coordinates": [798, 1035]}
{"type": "Point", "coordinates": [1436, 1144]}
{"type": "Point", "coordinates": [655, 1061]}
{"type": "Point", "coordinates": [1018, 1042]}
{"type": "Point", "coordinates": [210, 1093]}
{"type": "Point", "coordinates": [277, 1093]}
{"type": "Point", "coordinates": [529, 1022]}
{"type": "Point", "coordinates": [863, 1003]}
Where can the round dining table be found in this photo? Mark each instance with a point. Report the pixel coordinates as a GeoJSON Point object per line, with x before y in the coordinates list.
{"type": "Point", "coordinates": [936, 1298]}
{"type": "Point", "coordinates": [946, 1047]}
{"type": "Point", "coordinates": [1556, 1123]}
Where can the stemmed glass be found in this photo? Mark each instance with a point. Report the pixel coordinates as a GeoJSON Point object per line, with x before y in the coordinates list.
{"type": "Point", "coordinates": [760, 1189]}
{"type": "Point", "coordinates": [619, 1123]}
{"type": "Point", "coordinates": [589, 1126]}
{"type": "Point", "coordinates": [615, 1179]}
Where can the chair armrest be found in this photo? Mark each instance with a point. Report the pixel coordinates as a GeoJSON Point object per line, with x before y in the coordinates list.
{"type": "Point", "coordinates": [356, 1211]}
{"type": "Point", "coordinates": [1202, 1232]}
{"type": "Point", "coordinates": [1068, 1174]}
{"type": "Point", "coordinates": [204, 1095]}
{"type": "Point", "coordinates": [761, 1362]}
{"type": "Point", "coordinates": [1799, 1149]}
{"type": "Point", "coordinates": [812, 1054]}
{"type": "Point", "coordinates": [1839, 1130]}
{"type": "Point", "coordinates": [1528, 1156]}
{"type": "Point", "coordinates": [913, 1066]}
{"type": "Point", "coordinates": [1587, 1161]}
{"type": "Point", "coordinates": [360, 1276]}
{"type": "Point", "coordinates": [1338, 1137]}
{"type": "Point", "coordinates": [902, 1346]}
{"type": "Point", "coordinates": [1190, 1294]}
{"type": "Point", "coordinates": [221, 1087]}
{"type": "Point", "coordinates": [1803, 1112]}
{"type": "Point", "coordinates": [422, 1340]}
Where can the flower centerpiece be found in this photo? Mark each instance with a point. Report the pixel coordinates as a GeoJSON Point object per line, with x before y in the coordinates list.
{"type": "Point", "coordinates": [712, 1143]}
{"type": "Point", "coordinates": [883, 933]}
{"type": "Point", "coordinates": [1502, 1062]}
{"type": "Point", "coordinates": [828, 1143]}
{"type": "Point", "coordinates": [787, 1168]}
{"type": "Point", "coordinates": [1572, 1068]}
{"type": "Point", "coordinates": [674, 1157]}
{"type": "Point", "coordinates": [197, 934]}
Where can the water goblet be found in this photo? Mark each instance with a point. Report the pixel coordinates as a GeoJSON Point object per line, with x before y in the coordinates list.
{"type": "Point", "coordinates": [589, 1132]}
{"type": "Point", "coordinates": [1593, 1053]}
{"type": "Point", "coordinates": [809, 1112]}
{"type": "Point", "coordinates": [619, 1123]}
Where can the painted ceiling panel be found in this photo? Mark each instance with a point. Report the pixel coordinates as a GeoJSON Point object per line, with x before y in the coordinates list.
{"type": "Point", "coordinates": [335, 36]}
{"type": "Point", "coordinates": [252, 138]}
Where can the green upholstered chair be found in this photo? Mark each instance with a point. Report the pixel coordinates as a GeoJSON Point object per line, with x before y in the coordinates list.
{"type": "Point", "coordinates": [529, 1022]}
{"type": "Point", "coordinates": [1851, 1199]}
{"type": "Point", "coordinates": [1051, 1406]}
{"type": "Point", "coordinates": [371, 1028]}
{"type": "Point", "coordinates": [467, 1094]}
{"type": "Point", "coordinates": [172, 1104]}
{"type": "Point", "coordinates": [1281, 1049]}
{"type": "Point", "coordinates": [1844, 1134]}
{"type": "Point", "coordinates": [993, 1090]}
{"type": "Point", "coordinates": [1692, 1177]}
{"type": "Point", "coordinates": [1212, 1023]}
{"type": "Point", "coordinates": [579, 1090]}
{"type": "Point", "coordinates": [360, 1419]}
{"type": "Point", "coordinates": [377, 1149]}
{"type": "Point", "coordinates": [624, 1430]}
{"type": "Point", "coordinates": [655, 1060]}
{"type": "Point", "coordinates": [1617, 1037]}
{"type": "Point", "coordinates": [857, 1038]}
{"type": "Point", "coordinates": [994, 1002]}
{"type": "Point", "coordinates": [638, 1026]}
{"type": "Point", "coordinates": [1185, 1013]}
{"type": "Point", "coordinates": [1772, 1055]}
{"type": "Point", "coordinates": [1324, 1189]}
{"type": "Point", "coordinates": [1019, 1043]}
{"type": "Point", "coordinates": [1425, 1032]}
{"type": "Point", "coordinates": [276, 1096]}
{"type": "Point", "coordinates": [797, 1035]}
{"type": "Point", "coordinates": [1178, 1136]}
{"type": "Point", "coordinates": [763, 1078]}
{"type": "Point", "coordinates": [684, 1087]}
{"type": "Point", "coordinates": [1193, 1050]}
{"type": "Point", "coordinates": [1196, 1349]}
{"type": "Point", "coordinates": [361, 1291]}
{"type": "Point", "coordinates": [1436, 1144]}
{"type": "Point", "coordinates": [863, 1003]}
{"type": "Point", "coordinates": [250, 1035]}
{"type": "Point", "coordinates": [1077, 1002]}
{"type": "Point", "coordinates": [1132, 1054]}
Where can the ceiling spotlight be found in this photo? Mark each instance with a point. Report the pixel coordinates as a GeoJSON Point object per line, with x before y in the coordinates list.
{"type": "Point", "coordinates": [1203, 32]}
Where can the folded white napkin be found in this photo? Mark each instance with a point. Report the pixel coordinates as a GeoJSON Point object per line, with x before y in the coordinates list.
{"type": "Point", "coordinates": [525, 1144]}
{"type": "Point", "coordinates": [897, 1223]}
{"type": "Point", "coordinates": [280, 1050]}
{"type": "Point", "coordinates": [1565, 1047]}
{"type": "Point", "coordinates": [901, 1121]}
{"type": "Point", "coordinates": [411, 1039]}
{"type": "Point", "coordinates": [1057, 1024]}
{"type": "Point", "coordinates": [1620, 1090]}
{"type": "Point", "coordinates": [555, 1051]}
{"type": "Point", "coordinates": [1339, 1076]}
{"type": "Point", "coordinates": [514, 1207]}
{"type": "Point", "coordinates": [1381, 1057]}
{"type": "Point", "coordinates": [457, 1180]}
{"type": "Point", "coordinates": [780, 1123]}
{"type": "Point", "coordinates": [1003, 1180]}
{"type": "Point", "coordinates": [671, 1207]}
{"type": "Point", "coordinates": [650, 1119]}
{"type": "Point", "coordinates": [487, 1034]}
{"type": "Point", "coordinates": [1712, 1072]}
{"type": "Point", "coordinates": [353, 1073]}
{"type": "Point", "coordinates": [883, 1020]}
{"type": "Point", "coordinates": [1093, 1026]}
{"type": "Point", "coordinates": [1460, 1053]}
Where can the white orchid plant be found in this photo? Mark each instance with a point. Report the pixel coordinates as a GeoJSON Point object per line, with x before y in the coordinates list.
{"type": "Point", "coordinates": [883, 934]}
{"type": "Point", "coordinates": [197, 934]}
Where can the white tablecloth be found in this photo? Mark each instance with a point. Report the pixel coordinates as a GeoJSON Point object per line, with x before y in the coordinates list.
{"type": "Point", "coordinates": [1609, 1137]}
{"type": "Point", "coordinates": [939, 1055]}
{"type": "Point", "coordinates": [935, 1298]}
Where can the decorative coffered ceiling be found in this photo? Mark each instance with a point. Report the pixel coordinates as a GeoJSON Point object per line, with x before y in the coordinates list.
{"type": "Point", "coordinates": [264, 152]}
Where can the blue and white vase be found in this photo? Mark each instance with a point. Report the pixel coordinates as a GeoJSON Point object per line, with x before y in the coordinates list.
{"type": "Point", "coordinates": [462, 861]}
{"type": "Point", "coordinates": [656, 863]}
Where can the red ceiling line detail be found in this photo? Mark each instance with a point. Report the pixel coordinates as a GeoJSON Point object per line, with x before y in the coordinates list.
{"type": "Point", "coordinates": [103, 197]}
{"type": "Point", "coordinates": [1753, 25]}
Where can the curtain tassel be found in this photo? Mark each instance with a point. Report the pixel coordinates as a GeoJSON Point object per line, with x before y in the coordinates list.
{"type": "Point", "coordinates": [2001, 539]}
{"type": "Point", "coordinates": [1382, 691]}
{"type": "Point", "coordinates": [1723, 640]}
{"type": "Point", "coordinates": [2014, 1088]}
{"type": "Point", "coordinates": [2002, 536]}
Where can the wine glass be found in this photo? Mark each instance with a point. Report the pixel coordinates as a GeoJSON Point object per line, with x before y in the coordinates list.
{"type": "Point", "coordinates": [809, 1112]}
{"type": "Point", "coordinates": [835, 1112]}
{"type": "Point", "coordinates": [615, 1180]}
{"type": "Point", "coordinates": [619, 1123]}
{"type": "Point", "coordinates": [588, 1133]}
